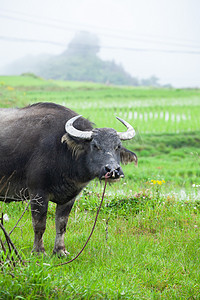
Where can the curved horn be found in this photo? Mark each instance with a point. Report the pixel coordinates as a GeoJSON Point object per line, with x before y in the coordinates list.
{"type": "Point", "coordinates": [127, 135]}
{"type": "Point", "coordinates": [85, 135]}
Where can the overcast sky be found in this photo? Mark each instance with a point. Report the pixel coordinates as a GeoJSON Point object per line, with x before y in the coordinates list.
{"type": "Point", "coordinates": [148, 37]}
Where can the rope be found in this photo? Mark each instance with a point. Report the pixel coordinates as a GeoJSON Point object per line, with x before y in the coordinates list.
{"type": "Point", "coordinates": [103, 194]}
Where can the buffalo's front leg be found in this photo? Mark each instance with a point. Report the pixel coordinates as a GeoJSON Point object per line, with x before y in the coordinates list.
{"type": "Point", "coordinates": [39, 206]}
{"type": "Point", "coordinates": [62, 214]}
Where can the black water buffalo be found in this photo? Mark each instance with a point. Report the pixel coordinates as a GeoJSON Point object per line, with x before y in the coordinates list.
{"type": "Point", "coordinates": [51, 152]}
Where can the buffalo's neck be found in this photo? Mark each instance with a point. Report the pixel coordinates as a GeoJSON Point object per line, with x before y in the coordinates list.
{"type": "Point", "coordinates": [66, 190]}
{"type": "Point", "coordinates": [73, 177]}
{"type": "Point", "coordinates": [77, 168]}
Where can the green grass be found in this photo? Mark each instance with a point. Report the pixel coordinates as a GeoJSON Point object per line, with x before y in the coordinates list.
{"type": "Point", "coordinates": [148, 255]}
{"type": "Point", "coordinates": [146, 244]}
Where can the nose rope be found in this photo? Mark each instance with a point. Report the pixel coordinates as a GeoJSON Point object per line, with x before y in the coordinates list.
{"type": "Point", "coordinates": [108, 175]}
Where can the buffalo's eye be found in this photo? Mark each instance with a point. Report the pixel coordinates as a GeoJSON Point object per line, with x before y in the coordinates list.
{"type": "Point", "coordinates": [118, 147]}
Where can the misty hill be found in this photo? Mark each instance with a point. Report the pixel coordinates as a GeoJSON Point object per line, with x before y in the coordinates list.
{"type": "Point", "coordinates": [81, 68]}
{"type": "Point", "coordinates": [79, 62]}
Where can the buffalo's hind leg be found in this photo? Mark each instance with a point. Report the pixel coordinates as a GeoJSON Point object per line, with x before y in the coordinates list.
{"type": "Point", "coordinates": [62, 214]}
{"type": "Point", "coordinates": [39, 207]}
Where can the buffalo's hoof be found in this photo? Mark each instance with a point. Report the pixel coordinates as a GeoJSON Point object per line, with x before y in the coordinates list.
{"type": "Point", "coordinates": [61, 253]}
{"type": "Point", "coordinates": [38, 252]}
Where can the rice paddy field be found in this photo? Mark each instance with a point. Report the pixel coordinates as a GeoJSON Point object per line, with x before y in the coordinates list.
{"type": "Point", "coordinates": [147, 241]}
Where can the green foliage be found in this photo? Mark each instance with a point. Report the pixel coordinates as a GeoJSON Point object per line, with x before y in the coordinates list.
{"type": "Point", "coordinates": [85, 68]}
{"type": "Point", "coordinates": [126, 205]}
{"type": "Point", "coordinates": [32, 75]}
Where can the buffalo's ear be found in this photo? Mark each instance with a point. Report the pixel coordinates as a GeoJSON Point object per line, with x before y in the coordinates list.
{"type": "Point", "coordinates": [128, 156]}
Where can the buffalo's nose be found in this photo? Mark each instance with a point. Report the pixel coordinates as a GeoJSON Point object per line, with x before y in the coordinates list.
{"type": "Point", "coordinates": [113, 172]}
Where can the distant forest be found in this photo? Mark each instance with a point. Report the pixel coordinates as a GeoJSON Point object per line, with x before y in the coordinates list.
{"type": "Point", "coordinates": [78, 62]}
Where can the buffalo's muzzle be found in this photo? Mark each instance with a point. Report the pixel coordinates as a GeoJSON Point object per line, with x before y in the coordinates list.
{"type": "Point", "coordinates": [113, 172]}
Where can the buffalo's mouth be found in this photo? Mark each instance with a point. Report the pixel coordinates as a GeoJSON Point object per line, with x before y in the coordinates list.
{"type": "Point", "coordinates": [112, 174]}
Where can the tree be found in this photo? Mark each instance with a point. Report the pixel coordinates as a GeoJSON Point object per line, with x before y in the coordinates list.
{"type": "Point", "coordinates": [151, 81]}
{"type": "Point", "coordinates": [84, 44]}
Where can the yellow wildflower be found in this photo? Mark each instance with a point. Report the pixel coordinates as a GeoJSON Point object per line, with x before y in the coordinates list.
{"type": "Point", "coordinates": [160, 182]}
{"type": "Point", "coordinates": [10, 88]}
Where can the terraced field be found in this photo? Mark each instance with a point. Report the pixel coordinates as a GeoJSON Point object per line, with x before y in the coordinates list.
{"type": "Point", "coordinates": [146, 244]}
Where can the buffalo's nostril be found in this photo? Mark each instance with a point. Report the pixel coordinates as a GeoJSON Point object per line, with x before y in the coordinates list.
{"type": "Point", "coordinates": [117, 171]}
{"type": "Point", "coordinates": [108, 168]}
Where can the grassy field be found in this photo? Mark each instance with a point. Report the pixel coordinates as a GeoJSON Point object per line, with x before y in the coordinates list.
{"type": "Point", "coordinates": [146, 244]}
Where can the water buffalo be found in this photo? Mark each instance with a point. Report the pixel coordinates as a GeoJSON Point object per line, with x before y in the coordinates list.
{"type": "Point", "coordinates": [53, 153]}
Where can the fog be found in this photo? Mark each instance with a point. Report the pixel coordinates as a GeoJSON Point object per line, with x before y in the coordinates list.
{"type": "Point", "coordinates": [157, 37]}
